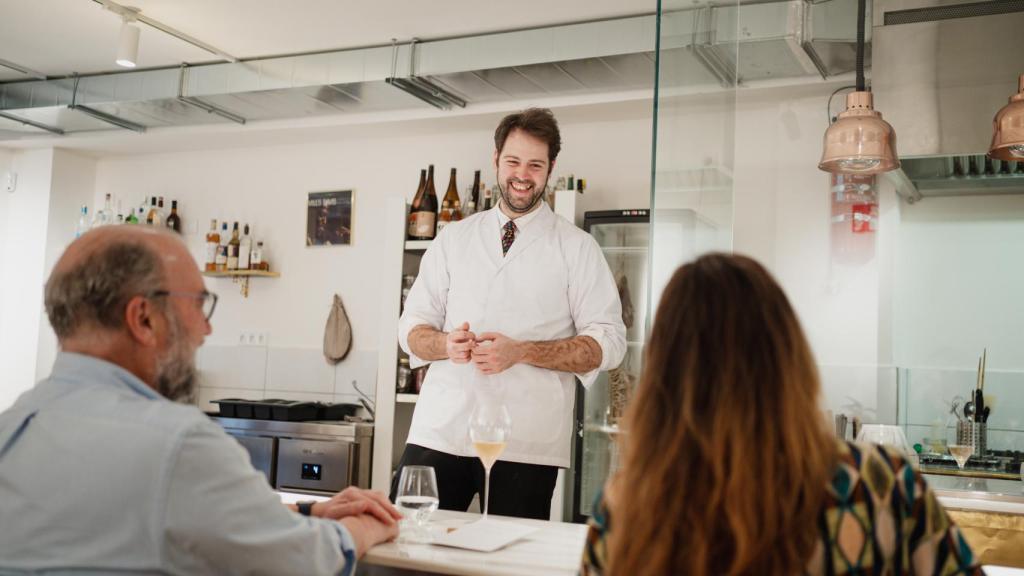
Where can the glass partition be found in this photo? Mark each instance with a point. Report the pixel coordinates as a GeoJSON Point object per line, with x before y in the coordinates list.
{"type": "Point", "coordinates": [694, 115]}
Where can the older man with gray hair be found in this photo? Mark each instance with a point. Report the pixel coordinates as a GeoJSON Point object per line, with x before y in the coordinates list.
{"type": "Point", "coordinates": [102, 471]}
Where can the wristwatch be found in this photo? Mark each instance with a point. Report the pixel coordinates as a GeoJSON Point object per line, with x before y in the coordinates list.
{"type": "Point", "coordinates": [305, 507]}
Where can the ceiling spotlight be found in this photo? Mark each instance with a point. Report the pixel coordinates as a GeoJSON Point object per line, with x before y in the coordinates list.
{"type": "Point", "coordinates": [1008, 128]}
{"type": "Point", "coordinates": [128, 44]}
{"type": "Point", "coordinates": [859, 141]}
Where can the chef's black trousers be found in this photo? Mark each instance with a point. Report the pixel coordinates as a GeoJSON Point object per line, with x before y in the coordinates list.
{"type": "Point", "coordinates": [517, 489]}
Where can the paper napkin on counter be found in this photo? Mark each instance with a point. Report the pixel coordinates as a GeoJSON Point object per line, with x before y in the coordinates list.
{"type": "Point", "coordinates": [485, 535]}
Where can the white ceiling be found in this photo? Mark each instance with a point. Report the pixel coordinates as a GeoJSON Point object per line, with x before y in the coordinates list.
{"type": "Point", "coordinates": [60, 37]}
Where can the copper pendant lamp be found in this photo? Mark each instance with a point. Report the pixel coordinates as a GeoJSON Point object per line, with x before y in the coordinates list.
{"type": "Point", "coordinates": [859, 141]}
{"type": "Point", "coordinates": [1008, 128]}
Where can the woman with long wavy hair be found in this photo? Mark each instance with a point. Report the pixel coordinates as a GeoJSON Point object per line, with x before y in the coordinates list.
{"type": "Point", "coordinates": [728, 466]}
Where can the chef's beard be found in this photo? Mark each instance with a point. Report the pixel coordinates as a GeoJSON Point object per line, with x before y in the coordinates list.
{"type": "Point", "coordinates": [176, 369]}
{"type": "Point", "coordinates": [519, 208]}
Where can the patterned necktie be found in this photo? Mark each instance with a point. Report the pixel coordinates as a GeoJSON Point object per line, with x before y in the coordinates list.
{"type": "Point", "coordinates": [508, 236]}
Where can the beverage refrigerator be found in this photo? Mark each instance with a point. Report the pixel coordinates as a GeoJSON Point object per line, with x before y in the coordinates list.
{"type": "Point", "coordinates": [624, 238]}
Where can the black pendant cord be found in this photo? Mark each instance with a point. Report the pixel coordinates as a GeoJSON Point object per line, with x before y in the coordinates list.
{"type": "Point", "coordinates": [861, 13]}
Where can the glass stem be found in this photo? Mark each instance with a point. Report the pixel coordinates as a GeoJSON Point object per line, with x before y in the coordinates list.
{"type": "Point", "coordinates": [487, 488]}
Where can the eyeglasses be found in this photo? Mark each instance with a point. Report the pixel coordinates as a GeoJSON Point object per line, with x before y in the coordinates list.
{"type": "Point", "coordinates": [209, 299]}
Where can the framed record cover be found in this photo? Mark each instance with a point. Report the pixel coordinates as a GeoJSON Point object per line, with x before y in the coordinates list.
{"type": "Point", "coordinates": [329, 218]}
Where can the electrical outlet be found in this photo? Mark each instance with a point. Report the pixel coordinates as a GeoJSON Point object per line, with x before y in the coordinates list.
{"type": "Point", "coordinates": [10, 181]}
{"type": "Point", "coordinates": [252, 339]}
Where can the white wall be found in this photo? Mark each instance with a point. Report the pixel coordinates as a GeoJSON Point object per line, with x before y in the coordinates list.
{"type": "Point", "coordinates": [6, 158]}
{"type": "Point", "coordinates": [607, 144]}
{"type": "Point", "coordinates": [71, 186]}
{"type": "Point", "coordinates": [21, 296]}
{"type": "Point", "coordinates": [782, 214]}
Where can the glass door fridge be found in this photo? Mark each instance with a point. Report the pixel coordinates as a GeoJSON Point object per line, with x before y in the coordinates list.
{"type": "Point", "coordinates": [624, 237]}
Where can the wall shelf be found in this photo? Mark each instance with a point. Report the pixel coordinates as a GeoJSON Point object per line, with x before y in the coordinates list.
{"type": "Point", "coordinates": [241, 277]}
{"type": "Point", "coordinates": [406, 398]}
{"type": "Point", "coordinates": [417, 245]}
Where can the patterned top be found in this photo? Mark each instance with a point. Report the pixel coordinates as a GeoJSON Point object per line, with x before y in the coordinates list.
{"type": "Point", "coordinates": [880, 518]}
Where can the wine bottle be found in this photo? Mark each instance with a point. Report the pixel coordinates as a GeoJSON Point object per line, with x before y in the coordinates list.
{"type": "Point", "coordinates": [450, 208]}
{"type": "Point", "coordinates": [473, 203]}
{"type": "Point", "coordinates": [417, 200]}
{"type": "Point", "coordinates": [426, 215]}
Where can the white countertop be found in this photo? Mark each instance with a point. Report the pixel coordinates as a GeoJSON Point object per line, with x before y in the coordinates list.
{"type": "Point", "coordinates": [555, 549]}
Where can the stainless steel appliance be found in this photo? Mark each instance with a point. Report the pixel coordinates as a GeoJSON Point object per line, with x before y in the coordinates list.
{"type": "Point", "coordinates": [310, 457]}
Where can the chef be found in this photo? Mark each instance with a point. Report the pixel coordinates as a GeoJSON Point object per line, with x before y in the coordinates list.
{"type": "Point", "coordinates": [511, 305]}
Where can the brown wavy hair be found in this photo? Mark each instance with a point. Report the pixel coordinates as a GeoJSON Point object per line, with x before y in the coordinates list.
{"type": "Point", "coordinates": [726, 459]}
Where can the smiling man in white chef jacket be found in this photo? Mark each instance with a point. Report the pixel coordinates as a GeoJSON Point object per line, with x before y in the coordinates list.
{"type": "Point", "coordinates": [511, 305]}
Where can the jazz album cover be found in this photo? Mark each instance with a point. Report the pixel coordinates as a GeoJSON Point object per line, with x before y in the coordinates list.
{"type": "Point", "coordinates": [329, 218]}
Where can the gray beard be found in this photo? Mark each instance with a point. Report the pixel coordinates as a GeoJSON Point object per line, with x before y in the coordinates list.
{"type": "Point", "coordinates": [176, 374]}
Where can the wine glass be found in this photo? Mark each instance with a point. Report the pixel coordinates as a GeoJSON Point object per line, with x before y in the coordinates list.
{"type": "Point", "coordinates": [489, 428]}
{"type": "Point", "coordinates": [417, 495]}
{"type": "Point", "coordinates": [961, 453]}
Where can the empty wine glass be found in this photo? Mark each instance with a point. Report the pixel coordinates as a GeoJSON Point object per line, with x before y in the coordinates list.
{"type": "Point", "coordinates": [417, 495]}
{"type": "Point", "coordinates": [489, 429]}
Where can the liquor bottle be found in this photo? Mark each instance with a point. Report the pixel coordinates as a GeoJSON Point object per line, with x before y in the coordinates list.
{"type": "Point", "coordinates": [426, 213]}
{"type": "Point", "coordinates": [244, 250]}
{"type": "Point", "coordinates": [174, 221]}
{"type": "Point", "coordinates": [473, 202]}
{"type": "Point", "coordinates": [256, 259]}
{"type": "Point", "coordinates": [104, 216]}
{"type": "Point", "coordinates": [153, 217]}
{"type": "Point", "coordinates": [222, 249]}
{"type": "Point", "coordinates": [488, 201]}
{"type": "Point", "coordinates": [212, 241]}
{"type": "Point", "coordinates": [160, 207]}
{"type": "Point", "coordinates": [417, 200]}
{"type": "Point", "coordinates": [233, 249]}
{"type": "Point", "coordinates": [83, 221]}
{"type": "Point", "coordinates": [450, 208]}
{"type": "Point", "coordinates": [131, 219]}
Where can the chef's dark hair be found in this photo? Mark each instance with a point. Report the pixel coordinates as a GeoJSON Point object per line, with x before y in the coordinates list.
{"type": "Point", "coordinates": [537, 122]}
{"type": "Point", "coordinates": [95, 290]}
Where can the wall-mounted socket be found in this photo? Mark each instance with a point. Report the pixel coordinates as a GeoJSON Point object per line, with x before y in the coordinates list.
{"type": "Point", "coordinates": [9, 181]}
{"type": "Point", "coordinates": [253, 338]}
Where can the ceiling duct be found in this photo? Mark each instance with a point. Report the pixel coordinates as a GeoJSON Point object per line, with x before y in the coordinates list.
{"type": "Point", "coordinates": [943, 71]}
{"type": "Point", "coordinates": [775, 40]}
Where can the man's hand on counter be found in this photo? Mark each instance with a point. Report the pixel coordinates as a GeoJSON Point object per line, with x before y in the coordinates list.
{"type": "Point", "coordinates": [367, 532]}
{"type": "Point", "coordinates": [354, 501]}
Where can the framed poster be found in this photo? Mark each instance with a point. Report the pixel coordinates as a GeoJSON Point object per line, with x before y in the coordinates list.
{"type": "Point", "coordinates": [329, 218]}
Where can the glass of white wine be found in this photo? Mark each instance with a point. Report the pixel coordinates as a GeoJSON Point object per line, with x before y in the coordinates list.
{"type": "Point", "coordinates": [417, 497]}
{"type": "Point", "coordinates": [489, 429]}
{"type": "Point", "coordinates": [961, 453]}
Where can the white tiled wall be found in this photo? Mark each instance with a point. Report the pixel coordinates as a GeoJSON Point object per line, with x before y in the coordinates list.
{"type": "Point", "coordinates": [257, 372]}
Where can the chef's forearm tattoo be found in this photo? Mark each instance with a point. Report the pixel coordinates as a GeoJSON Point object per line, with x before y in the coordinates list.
{"type": "Point", "coordinates": [428, 343]}
{"type": "Point", "coordinates": [577, 354]}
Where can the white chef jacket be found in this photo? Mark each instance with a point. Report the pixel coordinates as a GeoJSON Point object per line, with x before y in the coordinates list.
{"type": "Point", "coordinates": [554, 283]}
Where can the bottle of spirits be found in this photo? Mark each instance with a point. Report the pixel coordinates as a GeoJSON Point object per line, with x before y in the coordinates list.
{"type": "Point", "coordinates": [233, 249]}
{"type": "Point", "coordinates": [153, 217]}
{"type": "Point", "coordinates": [488, 200]}
{"type": "Point", "coordinates": [473, 199]}
{"type": "Point", "coordinates": [174, 221]}
{"type": "Point", "coordinates": [163, 211]}
{"type": "Point", "coordinates": [212, 242]}
{"type": "Point", "coordinates": [256, 260]}
{"type": "Point", "coordinates": [451, 210]}
{"type": "Point", "coordinates": [426, 214]}
{"type": "Point", "coordinates": [105, 216]}
{"type": "Point", "coordinates": [417, 201]}
{"type": "Point", "coordinates": [222, 249]}
{"type": "Point", "coordinates": [244, 250]}
{"type": "Point", "coordinates": [83, 221]}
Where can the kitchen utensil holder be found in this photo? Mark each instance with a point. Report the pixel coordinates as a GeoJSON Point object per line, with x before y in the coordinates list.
{"type": "Point", "coordinates": [969, 432]}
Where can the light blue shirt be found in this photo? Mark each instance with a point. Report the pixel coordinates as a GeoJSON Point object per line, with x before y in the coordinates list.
{"type": "Point", "coordinates": [100, 474]}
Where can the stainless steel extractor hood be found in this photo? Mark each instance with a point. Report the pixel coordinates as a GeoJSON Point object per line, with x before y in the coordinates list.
{"type": "Point", "coordinates": [942, 70]}
{"type": "Point", "coordinates": [794, 38]}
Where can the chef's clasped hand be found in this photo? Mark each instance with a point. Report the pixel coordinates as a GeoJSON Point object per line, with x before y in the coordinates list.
{"type": "Point", "coordinates": [494, 353]}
